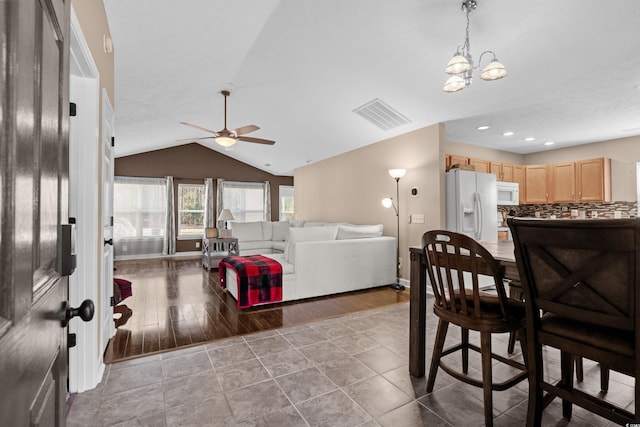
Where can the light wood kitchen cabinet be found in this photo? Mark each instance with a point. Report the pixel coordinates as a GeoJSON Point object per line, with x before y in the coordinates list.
{"type": "Point", "coordinates": [452, 159]}
{"type": "Point", "coordinates": [507, 172]}
{"type": "Point", "coordinates": [536, 180]}
{"type": "Point", "coordinates": [481, 165]}
{"type": "Point", "coordinates": [562, 182]}
{"type": "Point", "coordinates": [593, 179]}
{"type": "Point", "coordinates": [518, 176]}
{"type": "Point", "coordinates": [496, 168]}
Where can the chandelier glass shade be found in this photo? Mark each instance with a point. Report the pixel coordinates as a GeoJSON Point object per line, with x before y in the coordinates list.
{"type": "Point", "coordinates": [460, 67]}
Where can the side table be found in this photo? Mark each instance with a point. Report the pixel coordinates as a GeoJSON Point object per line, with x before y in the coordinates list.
{"type": "Point", "coordinates": [213, 250]}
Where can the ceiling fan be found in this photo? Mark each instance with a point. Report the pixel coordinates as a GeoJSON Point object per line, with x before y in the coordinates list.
{"type": "Point", "coordinates": [226, 137]}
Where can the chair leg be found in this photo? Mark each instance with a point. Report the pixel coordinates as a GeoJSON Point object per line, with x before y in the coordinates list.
{"type": "Point", "coordinates": [604, 378]}
{"type": "Point", "coordinates": [465, 350]}
{"type": "Point", "coordinates": [566, 369]}
{"type": "Point", "coordinates": [441, 334]}
{"type": "Point", "coordinates": [579, 368]}
{"type": "Point", "coordinates": [512, 342]}
{"type": "Point", "coordinates": [487, 377]}
{"type": "Point", "coordinates": [535, 368]}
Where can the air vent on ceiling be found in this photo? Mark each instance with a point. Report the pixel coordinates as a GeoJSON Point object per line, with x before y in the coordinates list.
{"type": "Point", "coordinates": [381, 115]}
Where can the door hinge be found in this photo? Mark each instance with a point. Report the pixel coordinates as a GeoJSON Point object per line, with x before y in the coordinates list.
{"type": "Point", "coordinates": [113, 141]}
{"type": "Point", "coordinates": [72, 109]}
{"type": "Point", "coordinates": [111, 221]}
{"type": "Point", "coordinates": [112, 302]}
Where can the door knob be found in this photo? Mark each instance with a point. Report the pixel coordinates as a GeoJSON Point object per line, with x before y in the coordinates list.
{"type": "Point", "coordinates": [85, 311]}
{"type": "Point", "coordinates": [108, 242]}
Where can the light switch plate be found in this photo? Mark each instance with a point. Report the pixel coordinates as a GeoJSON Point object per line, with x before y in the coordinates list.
{"type": "Point", "coordinates": [417, 218]}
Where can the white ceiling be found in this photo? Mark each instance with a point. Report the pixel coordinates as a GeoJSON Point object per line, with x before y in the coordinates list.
{"type": "Point", "coordinates": [298, 69]}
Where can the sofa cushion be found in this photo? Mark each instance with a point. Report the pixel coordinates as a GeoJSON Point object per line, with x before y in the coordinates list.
{"type": "Point", "coordinates": [287, 268]}
{"type": "Point", "coordinates": [280, 231]}
{"type": "Point", "coordinates": [279, 245]}
{"type": "Point", "coordinates": [254, 244]}
{"type": "Point", "coordinates": [267, 230]}
{"type": "Point", "coordinates": [307, 234]}
{"type": "Point", "coordinates": [247, 231]}
{"type": "Point", "coordinates": [308, 224]}
{"type": "Point", "coordinates": [358, 231]}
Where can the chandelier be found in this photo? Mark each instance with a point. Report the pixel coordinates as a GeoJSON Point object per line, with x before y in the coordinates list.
{"type": "Point", "coordinates": [460, 68]}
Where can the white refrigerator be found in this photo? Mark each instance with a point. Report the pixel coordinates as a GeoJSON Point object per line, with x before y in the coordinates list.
{"type": "Point", "coordinates": [472, 203]}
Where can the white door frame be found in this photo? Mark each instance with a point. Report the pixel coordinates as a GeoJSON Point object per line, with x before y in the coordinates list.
{"type": "Point", "coordinates": [86, 365]}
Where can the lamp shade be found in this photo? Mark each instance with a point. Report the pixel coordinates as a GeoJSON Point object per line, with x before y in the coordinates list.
{"type": "Point", "coordinates": [226, 215]}
{"type": "Point", "coordinates": [225, 141]}
{"type": "Point", "coordinates": [494, 71]}
{"type": "Point", "coordinates": [454, 84]}
{"type": "Point", "coordinates": [397, 173]}
{"type": "Point", "coordinates": [387, 202]}
{"type": "Point", "coordinates": [458, 64]}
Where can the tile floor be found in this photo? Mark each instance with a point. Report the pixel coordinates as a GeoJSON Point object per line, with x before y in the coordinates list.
{"type": "Point", "coordinates": [345, 371]}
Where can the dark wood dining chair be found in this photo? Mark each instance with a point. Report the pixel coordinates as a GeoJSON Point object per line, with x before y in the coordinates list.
{"type": "Point", "coordinates": [580, 281]}
{"type": "Point", "coordinates": [453, 262]}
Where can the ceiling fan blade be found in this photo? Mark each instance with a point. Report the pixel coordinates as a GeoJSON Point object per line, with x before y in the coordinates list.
{"type": "Point", "coordinates": [199, 127]}
{"type": "Point", "coordinates": [256, 140]}
{"type": "Point", "coordinates": [245, 130]}
{"type": "Point", "coordinates": [193, 139]}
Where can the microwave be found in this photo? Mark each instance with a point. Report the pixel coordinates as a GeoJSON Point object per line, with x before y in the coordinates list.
{"type": "Point", "coordinates": [508, 193]}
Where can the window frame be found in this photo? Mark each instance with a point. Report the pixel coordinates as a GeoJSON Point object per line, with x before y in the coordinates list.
{"type": "Point", "coordinates": [241, 214]}
{"type": "Point", "coordinates": [284, 215]}
{"type": "Point", "coordinates": [179, 235]}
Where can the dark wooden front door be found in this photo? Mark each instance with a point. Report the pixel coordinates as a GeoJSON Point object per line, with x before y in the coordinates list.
{"type": "Point", "coordinates": [34, 36]}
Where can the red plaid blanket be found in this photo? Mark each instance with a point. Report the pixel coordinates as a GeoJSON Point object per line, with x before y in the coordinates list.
{"type": "Point", "coordinates": [259, 279]}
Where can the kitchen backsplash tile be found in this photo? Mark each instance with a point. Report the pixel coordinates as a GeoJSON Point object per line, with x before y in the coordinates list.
{"type": "Point", "coordinates": [560, 210]}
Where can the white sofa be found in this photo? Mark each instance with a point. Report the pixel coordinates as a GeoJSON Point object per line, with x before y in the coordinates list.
{"type": "Point", "coordinates": [321, 260]}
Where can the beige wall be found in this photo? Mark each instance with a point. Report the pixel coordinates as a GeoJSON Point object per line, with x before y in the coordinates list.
{"type": "Point", "coordinates": [485, 153]}
{"type": "Point", "coordinates": [93, 20]}
{"type": "Point", "coordinates": [350, 187]}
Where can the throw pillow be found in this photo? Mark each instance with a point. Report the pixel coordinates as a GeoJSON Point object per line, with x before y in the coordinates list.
{"type": "Point", "coordinates": [280, 231]}
{"type": "Point", "coordinates": [307, 234]}
{"type": "Point", "coordinates": [267, 230]}
{"type": "Point", "coordinates": [358, 231]}
{"type": "Point", "coordinates": [247, 231]}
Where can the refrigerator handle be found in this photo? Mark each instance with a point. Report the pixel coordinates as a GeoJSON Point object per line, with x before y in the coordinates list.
{"type": "Point", "coordinates": [479, 216]}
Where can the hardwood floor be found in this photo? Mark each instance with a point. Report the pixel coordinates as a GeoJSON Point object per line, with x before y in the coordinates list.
{"type": "Point", "coordinates": [177, 303]}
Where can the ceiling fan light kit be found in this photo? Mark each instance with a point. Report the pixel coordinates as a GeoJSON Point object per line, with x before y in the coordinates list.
{"type": "Point", "coordinates": [460, 67]}
{"type": "Point", "coordinates": [227, 138]}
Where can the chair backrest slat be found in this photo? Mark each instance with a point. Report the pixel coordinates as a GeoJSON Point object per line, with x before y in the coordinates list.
{"type": "Point", "coordinates": [454, 259]}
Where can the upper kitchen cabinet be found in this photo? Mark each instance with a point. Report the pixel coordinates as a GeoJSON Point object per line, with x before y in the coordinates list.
{"type": "Point", "coordinates": [593, 178]}
{"type": "Point", "coordinates": [536, 179]}
{"type": "Point", "coordinates": [507, 172]}
{"type": "Point", "coordinates": [496, 168]}
{"type": "Point", "coordinates": [519, 177]}
{"type": "Point", "coordinates": [481, 165]}
{"type": "Point", "coordinates": [562, 182]}
{"type": "Point", "coordinates": [452, 159]}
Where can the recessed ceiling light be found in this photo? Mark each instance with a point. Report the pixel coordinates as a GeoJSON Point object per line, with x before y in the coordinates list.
{"type": "Point", "coordinates": [483, 127]}
{"type": "Point", "coordinates": [508, 133]}
{"type": "Point", "coordinates": [267, 164]}
{"type": "Point", "coordinates": [529, 139]}
{"type": "Point", "coordinates": [549, 143]}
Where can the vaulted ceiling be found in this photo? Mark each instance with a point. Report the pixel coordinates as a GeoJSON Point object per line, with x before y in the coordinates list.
{"type": "Point", "coordinates": [298, 69]}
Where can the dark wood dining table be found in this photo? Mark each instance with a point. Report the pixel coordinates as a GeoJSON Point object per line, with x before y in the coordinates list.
{"type": "Point", "coordinates": [502, 250]}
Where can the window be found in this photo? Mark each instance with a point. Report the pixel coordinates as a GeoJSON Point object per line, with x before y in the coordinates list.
{"type": "Point", "coordinates": [286, 203]}
{"type": "Point", "coordinates": [190, 211]}
{"type": "Point", "coordinates": [245, 200]}
{"type": "Point", "coordinates": [139, 207]}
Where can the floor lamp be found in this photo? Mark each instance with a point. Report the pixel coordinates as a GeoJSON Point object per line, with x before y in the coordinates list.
{"type": "Point", "coordinates": [387, 202]}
